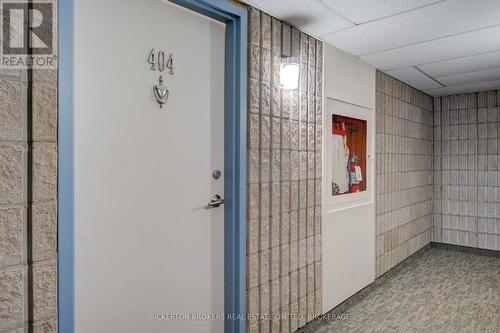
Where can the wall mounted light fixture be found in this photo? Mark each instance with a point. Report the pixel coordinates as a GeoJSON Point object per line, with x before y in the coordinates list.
{"type": "Point", "coordinates": [289, 72]}
{"type": "Point", "coordinates": [290, 64]}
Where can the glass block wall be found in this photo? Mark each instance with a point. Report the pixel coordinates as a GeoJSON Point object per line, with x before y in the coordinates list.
{"type": "Point", "coordinates": [284, 179]}
{"type": "Point", "coordinates": [403, 171]}
{"type": "Point", "coordinates": [467, 170]}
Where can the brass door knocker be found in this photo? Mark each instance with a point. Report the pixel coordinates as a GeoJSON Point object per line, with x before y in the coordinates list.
{"type": "Point", "coordinates": [160, 92]}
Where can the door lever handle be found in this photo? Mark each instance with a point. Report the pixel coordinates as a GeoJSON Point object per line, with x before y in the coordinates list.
{"type": "Point", "coordinates": [215, 202]}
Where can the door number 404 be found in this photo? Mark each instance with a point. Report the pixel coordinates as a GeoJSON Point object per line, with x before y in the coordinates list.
{"type": "Point", "coordinates": [160, 61]}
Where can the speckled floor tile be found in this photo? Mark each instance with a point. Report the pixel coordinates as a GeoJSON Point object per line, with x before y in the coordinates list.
{"type": "Point", "coordinates": [434, 291]}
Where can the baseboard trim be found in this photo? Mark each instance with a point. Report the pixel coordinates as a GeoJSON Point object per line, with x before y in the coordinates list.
{"type": "Point", "coordinates": [466, 249]}
{"type": "Point", "coordinates": [339, 309]}
{"type": "Point", "coordinates": [405, 261]}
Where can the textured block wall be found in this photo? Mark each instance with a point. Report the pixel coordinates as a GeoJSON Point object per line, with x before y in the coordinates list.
{"type": "Point", "coordinates": [28, 193]}
{"type": "Point", "coordinates": [284, 170]}
{"type": "Point", "coordinates": [403, 171]}
{"type": "Point", "coordinates": [467, 170]}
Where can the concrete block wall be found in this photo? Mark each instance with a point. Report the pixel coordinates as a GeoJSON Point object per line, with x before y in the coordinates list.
{"type": "Point", "coordinates": [284, 175]}
{"type": "Point", "coordinates": [28, 196]}
{"type": "Point", "coordinates": [467, 170]}
{"type": "Point", "coordinates": [403, 171]}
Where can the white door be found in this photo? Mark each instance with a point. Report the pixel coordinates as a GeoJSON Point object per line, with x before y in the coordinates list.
{"type": "Point", "coordinates": [146, 246]}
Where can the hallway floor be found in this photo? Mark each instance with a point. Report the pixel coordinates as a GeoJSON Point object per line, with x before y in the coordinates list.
{"type": "Point", "coordinates": [434, 291]}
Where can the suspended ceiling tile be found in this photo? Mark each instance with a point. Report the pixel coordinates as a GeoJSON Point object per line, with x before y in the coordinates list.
{"type": "Point", "coordinates": [439, 38]}
{"type": "Point", "coordinates": [463, 45]}
{"type": "Point", "coordinates": [310, 16]}
{"type": "Point", "coordinates": [414, 78]}
{"type": "Point", "coordinates": [472, 87]}
{"type": "Point", "coordinates": [472, 77]}
{"type": "Point", "coordinates": [428, 23]}
{"type": "Point", "coordinates": [463, 65]}
{"type": "Point", "coordinates": [360, 11]}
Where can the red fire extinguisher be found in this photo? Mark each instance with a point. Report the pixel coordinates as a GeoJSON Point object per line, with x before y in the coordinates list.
{"type": "Point", "coordinates": [355, 175]}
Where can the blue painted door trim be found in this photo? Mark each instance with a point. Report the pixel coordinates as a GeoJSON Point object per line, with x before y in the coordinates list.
{"type": "Point", "coordinates": [65, 207]}
{"type": "Point", "coordinates": [236, 21]}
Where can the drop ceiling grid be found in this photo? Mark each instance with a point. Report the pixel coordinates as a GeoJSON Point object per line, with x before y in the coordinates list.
{"type": "Point", "coordinates": [466, 88]}
{"type": "Point", "coordinates": [461, 65]}
{"type": "Point", "coordinates": [310, 16]}
{"type": "Point", "coordinates": [432, 22]}
{"type": "Point", "coordinates": [462, 45]}
{"type": "Point", "coordinates": [471, 77]}
{"type": "Point", "coordinates": [414, 78]}
{"type": "Point", "coordinates": [424, 43]}
{"type": "Point", "coordinates": [364, 11]}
